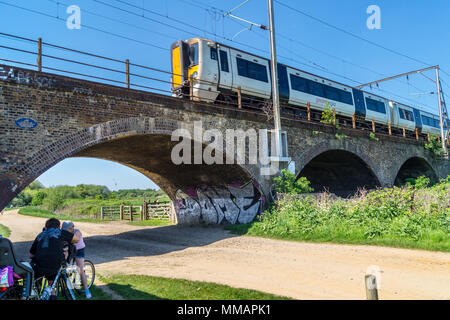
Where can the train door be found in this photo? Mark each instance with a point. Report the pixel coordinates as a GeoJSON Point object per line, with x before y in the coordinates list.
{"type": "Point", "coordinates": [226, 75]}
{"type": "Point", "coordinates": [418, 119]}
{"type": "Point", "coordinates": [179, 62]}
{"type": "Point", "coordinates": [360, 105]}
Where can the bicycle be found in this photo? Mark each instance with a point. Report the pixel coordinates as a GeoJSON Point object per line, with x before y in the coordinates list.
{"type": "Point", "coordinates": [61, 283]}
{"type": "Point", "coordinates": [28, 288]}
{"type": "Point", "coordinates": [75, 276]}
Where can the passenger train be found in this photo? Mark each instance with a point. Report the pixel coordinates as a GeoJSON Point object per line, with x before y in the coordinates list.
{"type": "Point", "coordinates": [217, 71]}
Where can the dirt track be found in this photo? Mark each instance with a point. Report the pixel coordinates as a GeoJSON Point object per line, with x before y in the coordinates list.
{"type": "Point", "coordinates": [294, 269]}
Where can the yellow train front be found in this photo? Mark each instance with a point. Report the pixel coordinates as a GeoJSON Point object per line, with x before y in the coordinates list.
{"type": "Point", "coordinates": [191, 61]}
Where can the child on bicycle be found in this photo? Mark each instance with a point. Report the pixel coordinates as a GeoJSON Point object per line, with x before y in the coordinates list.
{"type": "Point", "coordinates": [79, 255]}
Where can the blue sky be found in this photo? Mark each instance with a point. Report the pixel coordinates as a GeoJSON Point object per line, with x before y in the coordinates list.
{"type": "Point", "coordinates": [143, 30]}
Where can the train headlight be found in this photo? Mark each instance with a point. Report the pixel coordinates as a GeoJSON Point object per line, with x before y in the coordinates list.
{"type": "Point", "coordinates": [195, 75]}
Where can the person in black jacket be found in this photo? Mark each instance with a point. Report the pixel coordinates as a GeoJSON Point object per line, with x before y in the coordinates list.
{"type": "Point", "coordinates": [46, 252]}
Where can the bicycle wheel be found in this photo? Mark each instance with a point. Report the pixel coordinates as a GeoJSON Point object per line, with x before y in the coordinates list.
{"type": "Point", "coordinates": [89, 271]}
{"type": "Point", "coordinates": [65, 287]}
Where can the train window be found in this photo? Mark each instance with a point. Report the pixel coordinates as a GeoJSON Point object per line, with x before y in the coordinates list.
{"type": "Point", "coordinates": [430, 122]}
{"type": "Point", "coordinates": [193, 54]}
{"type": "Point", "coordinates": [375, 105]}
{"type": "Point", "coordinates": [251, 70]}
{"type": "Point", "coordinates": [316, 88]}
{"type": "Point", "coordinates": [406, 114]}
{"type": "Point", "coordinates": [332, 93]}
{"type": "Point", "coordinates": [214, 53]}
{"type": "Point", "coordinates": [299, 84]}
{"type": "Point", "coordinates": [346, 97]}
{"type": "Point", "coordinates": [224, 61]}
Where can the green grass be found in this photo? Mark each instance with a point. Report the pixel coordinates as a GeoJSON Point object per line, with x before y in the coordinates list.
{"type": "Point", "coordinates": [395, 217]}
{"type": "Point", "coordinates": [138, 287]}
{"type": "Point", "coordinates": [432, 240]}
{"type": "Point", "coordinates": [4, 231]}
{"type": "Point", "coordinates": [42, 213]}
{"type": "Point", "coordinates": [97, 294]}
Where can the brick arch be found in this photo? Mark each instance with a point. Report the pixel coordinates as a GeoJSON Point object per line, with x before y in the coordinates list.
{"type": "Point", "coordinates": [413, 167]}
{"type": "Point", "coordinates": [348, 146]}
{"type": "Point", "coordinates": [213, 181]}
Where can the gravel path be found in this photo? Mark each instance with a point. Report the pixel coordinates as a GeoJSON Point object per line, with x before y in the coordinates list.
{"type": "Point", "coordinates": [295, 269]}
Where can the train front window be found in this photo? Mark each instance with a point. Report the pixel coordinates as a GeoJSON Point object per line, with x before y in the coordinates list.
{"type": "Point", "coordinates": [193, 54]}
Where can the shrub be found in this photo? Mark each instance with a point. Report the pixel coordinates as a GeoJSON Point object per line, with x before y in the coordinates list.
{"type": "Point", "coordinates": [287, 183]}
{"type": "Point", "coordinates": [38, 198]}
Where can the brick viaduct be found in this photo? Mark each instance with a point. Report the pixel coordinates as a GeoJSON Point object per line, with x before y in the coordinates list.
{"type": "Point", "coordinates": [46, 118]}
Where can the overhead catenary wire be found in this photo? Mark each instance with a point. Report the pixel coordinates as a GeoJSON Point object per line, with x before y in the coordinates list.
{"type": "Point", "coordinates": [314, 65]}
{"type": "Point", "coordinates": [84, 25]}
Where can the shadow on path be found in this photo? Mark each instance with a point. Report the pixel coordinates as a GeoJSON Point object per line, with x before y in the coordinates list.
{"type": "Point", "coordinates": [140, 243]}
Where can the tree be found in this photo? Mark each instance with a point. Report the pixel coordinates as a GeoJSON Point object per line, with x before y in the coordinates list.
{"type": "Point", "coordinates": [36, 185]}
{"type": "Point", "coordinates": [54, 200]}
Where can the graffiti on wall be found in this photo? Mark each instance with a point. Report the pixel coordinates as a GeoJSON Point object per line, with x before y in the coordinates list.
{"type": "Point", "coordinates": [24, 77]}
{"type": "Point", "coordinates": [8, 183]}
{"type": "Point", "coordinates": [235, 203]}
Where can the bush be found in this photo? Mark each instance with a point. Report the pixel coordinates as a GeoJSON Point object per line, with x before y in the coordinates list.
{"type": "Point", "coordinates": [38, 198]}
{"type": "Point", "coordinates": [287, 183]}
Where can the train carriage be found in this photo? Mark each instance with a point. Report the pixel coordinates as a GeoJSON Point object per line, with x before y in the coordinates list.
{"type": "Point", "coordinates": [216, 71]}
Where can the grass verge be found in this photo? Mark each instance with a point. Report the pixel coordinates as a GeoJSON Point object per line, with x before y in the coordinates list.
{"type": "Point", "coordinates": [396, 217]}
{"type": "Point", "coordinates": [4, 231]}
{"type": "Point", "coordinates": [42, 213]}
{"type": "Point", "coordinates": [139, 287]}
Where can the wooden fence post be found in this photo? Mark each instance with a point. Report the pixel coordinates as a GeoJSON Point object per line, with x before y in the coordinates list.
{"type": "Point", "coordinates": [127, 62]}
{"type": "Point", "coordinates": [144, 211]}
{"type": "Point", "coordinates": [39, 57]}
{"type": "Point", "coordinates": [404, 133]}
{"type": "Point", "coordinates": [308, 108]}
{"type": "Point", "coordinates": [121, 212]}
{"type": "Point", "coordinates": [389, 128]}
{"type": "Point", "coordinates": [239, 98]}
{"type": "Point", "coordinates": [371, 287]}
{"type": "Point", "coordinates": [428, 136]}
{"type": "Point", "coordinates": [334, 116]}
{"type": "Point", "coordinates": [354, 121]}
{"type": "Point", "coordinates": [131, 212]}
{"type": "Point", "coordinates": [373, 125]}
{"type": "Point", "coordinates": [102, 215]}
{"type": "Point", "coordinates": [417, 134]}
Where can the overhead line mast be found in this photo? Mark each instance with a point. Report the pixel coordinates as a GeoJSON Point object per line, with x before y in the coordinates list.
{"type": "Point", "coordinates": [441, 105]}
{"type": "Point", "coordinates": [281, 154]}
{"type": "Point", "coordinates": [275, 93]}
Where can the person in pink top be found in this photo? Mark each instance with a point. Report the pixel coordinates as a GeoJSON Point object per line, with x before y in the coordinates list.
{"type": "Point", "coordinates": [79, 256]}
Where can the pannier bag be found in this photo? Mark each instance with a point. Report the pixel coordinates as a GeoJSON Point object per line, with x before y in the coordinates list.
{"type": "Point", "coordinates": [7, 276]}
